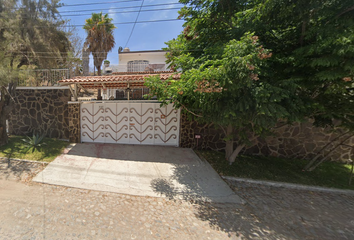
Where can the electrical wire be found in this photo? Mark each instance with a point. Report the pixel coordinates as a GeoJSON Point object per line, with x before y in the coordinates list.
{"type": "Point", "coordinates": [117, 23]}
{"type": "Point", "coordinates": [48, 54]}
{"type": "Point", "coordinates": [131, 33]}
{"type": "Point", "coordinates": [110, 12]}
{"type": "Point", "coordinates": [97, 3]}
{"type": "Point", "coordinates": [145, 6]}
{"type": "Point", "coordinates": [81, 4]}
{"type": "Point", "coordinates": [135, 22]}
{"type": "Point", "coordinates": [147, 21]}
{"type": "Point", "coordinates": [147, 10]}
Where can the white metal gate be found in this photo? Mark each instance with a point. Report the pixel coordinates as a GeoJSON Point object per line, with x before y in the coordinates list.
{"type": "Point", "coordinates": [130, 123]}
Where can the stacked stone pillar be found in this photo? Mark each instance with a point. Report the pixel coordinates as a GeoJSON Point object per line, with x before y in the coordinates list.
{"type": "Point", "coordinates": [74, 122]}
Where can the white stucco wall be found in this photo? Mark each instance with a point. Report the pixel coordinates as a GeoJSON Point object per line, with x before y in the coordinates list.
{"type": "Point", "coordinates": [152, 57]}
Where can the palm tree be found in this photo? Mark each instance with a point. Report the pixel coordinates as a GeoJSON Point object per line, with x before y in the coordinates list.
{"type": "Point", "coordinates": [100, 40]}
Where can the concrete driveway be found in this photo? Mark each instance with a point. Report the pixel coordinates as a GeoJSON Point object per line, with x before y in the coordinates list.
{"type": "Point", "coordinates": [175, 173]}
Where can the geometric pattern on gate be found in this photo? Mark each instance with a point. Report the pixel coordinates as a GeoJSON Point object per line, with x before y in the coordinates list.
{"type": "Point", "coordinates": [130, 123]}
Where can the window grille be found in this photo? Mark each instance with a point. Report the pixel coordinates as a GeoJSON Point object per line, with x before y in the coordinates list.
{"type": "Point", "coordinates": [137, 65]}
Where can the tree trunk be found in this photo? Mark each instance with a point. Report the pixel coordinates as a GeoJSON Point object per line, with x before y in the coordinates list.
{"type": "Point", "coordinates": [314, 159]}
{"type": "Point", "coordinates": [99, 71]}
{"type": "Point", "coordinates": [314, 166]}
{"type": "Point", "coordinates": [229, 148]}
{"type": "Point", "coordinates": [351, 174]}
{"type": "Point", "coordinates": [3, 133]}
{"type": "Point", "coordinates": [352, 162]}
{"type": "Point", "coordinates": [6, 105]}
{"type": "Point", "coordinates": [235, 153]}
{"type": "Point", "coordinates": [231, 154]}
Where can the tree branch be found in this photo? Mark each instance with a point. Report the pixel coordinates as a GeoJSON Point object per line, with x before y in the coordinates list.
{"type": "Point", "coordinates": [223, 129]}
{"type": "Point", "coordinates": [189, 110]}
{"type": "Point", "coordinates": [329, 154]}
{"type": "Point", "coordinates": [345, 11]}
{"type": "Point", "coordinates": [303, 30]}
{"type": "Point", "coordinates": [8, 93]}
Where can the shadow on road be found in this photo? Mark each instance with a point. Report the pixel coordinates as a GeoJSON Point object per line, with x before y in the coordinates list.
{"type": "Point", "coordinates": [18, 170]}
{"type": "Point", "coordinates": [235, 219]}
{"type": "Point", "coordinates": [268, 214]}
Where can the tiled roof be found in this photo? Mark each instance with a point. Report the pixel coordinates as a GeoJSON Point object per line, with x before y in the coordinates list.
{"type": "Point", "coordinates": [116, 81]}
{"type": "Point", "coordinates": [143, 72]}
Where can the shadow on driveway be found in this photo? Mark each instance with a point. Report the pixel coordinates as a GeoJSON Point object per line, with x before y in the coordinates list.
{"type": "Point", "coordinates": [175, 173]}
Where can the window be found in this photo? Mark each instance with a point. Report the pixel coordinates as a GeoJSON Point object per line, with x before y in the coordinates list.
{"type": "Point", "coordinates": [135, 94]}
{"type": "Point", "coordinates": [137, 65]}
{"type": "Point", "coordinates": [120, 95]}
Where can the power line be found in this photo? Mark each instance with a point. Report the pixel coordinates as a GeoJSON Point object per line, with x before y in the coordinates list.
{"type": "Point", "coordinates": [97, 3]}
{"type": "Point", "coordinates": [63, 58]}
{"type": "Point", "coordinates": [91, 10]}
{"type": "Point", "coordinates": [147, 10]}
{"type": "Point", "coordinates": [145, 6]}
{"type": "Point", "coordinates": [147, 21]}
{"type": "Point", "coordinates": [140, 10]}
{"type": "Point", "coordinates": [66, 57]}
{"type": "Point", "coordinates": [81, 4]}
{"type": "Point", "coordinates": [49, 53]}
{"type": "Point", "coordinates": [117, 23]}
{"type": "Point", "coordinates": [134, 24]}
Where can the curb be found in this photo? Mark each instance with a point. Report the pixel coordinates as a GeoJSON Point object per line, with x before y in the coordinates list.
{"type": "Point", "coordinates": [68, 148]}
{"type": "Point", "coordinates": [23, 160]}
{"type": "Point", "coordinates": [290, 185]}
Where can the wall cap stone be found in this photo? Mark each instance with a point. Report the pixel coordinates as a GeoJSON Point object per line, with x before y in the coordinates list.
{"type": "Point", "coordinates": [290, 185]}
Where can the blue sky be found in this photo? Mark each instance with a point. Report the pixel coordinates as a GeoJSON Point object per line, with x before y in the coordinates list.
{"type": "Point", "coordinates": [146, 36]}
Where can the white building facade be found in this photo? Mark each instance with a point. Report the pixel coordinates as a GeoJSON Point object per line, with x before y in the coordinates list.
{"type": "Point", "coordinates": [141, 61]}
{"type": "Point", "coordinates": [136, 62]}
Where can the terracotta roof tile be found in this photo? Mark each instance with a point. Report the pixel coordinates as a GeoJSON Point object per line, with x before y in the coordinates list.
{"type": "Point", "coordinates": [117, 79]}
{"type": "Point", "coordinates": [142, 72]}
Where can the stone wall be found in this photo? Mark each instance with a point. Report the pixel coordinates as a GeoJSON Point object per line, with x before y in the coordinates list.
{"type": "Point", "coordinates": [74, 122]}
{"type": "Point", "coordinates": [211, 136]}
{"type": "Point", "coordinates": [302, 140]}
{"type": "Point", "coordinates": [43, 110]}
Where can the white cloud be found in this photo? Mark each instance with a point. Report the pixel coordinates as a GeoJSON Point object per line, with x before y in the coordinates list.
{"type": "Point", "coordinates": [120, 16]}
{"type": "Point", "coordinates": [161, 15]}
{"type": "Point", "coordinates": [112, 14]}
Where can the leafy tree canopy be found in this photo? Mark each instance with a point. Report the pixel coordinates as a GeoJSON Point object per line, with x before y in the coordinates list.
{"type": "Point", "coordinates": [248, 64]}
{"type": "Point", "coordinates": [31, 36]}
{"type": "Point", "coordinates": [32, 32]}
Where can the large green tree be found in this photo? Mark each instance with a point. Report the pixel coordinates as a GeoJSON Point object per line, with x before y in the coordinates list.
{"type": "Point", "coordinates": [34, 31]}
{"type": "Point", "coordinates": [100, 39]}
{"type": "Point", "coordinates": [31, 36]}
{"type": "Point", "coordinates": [248, 64]}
